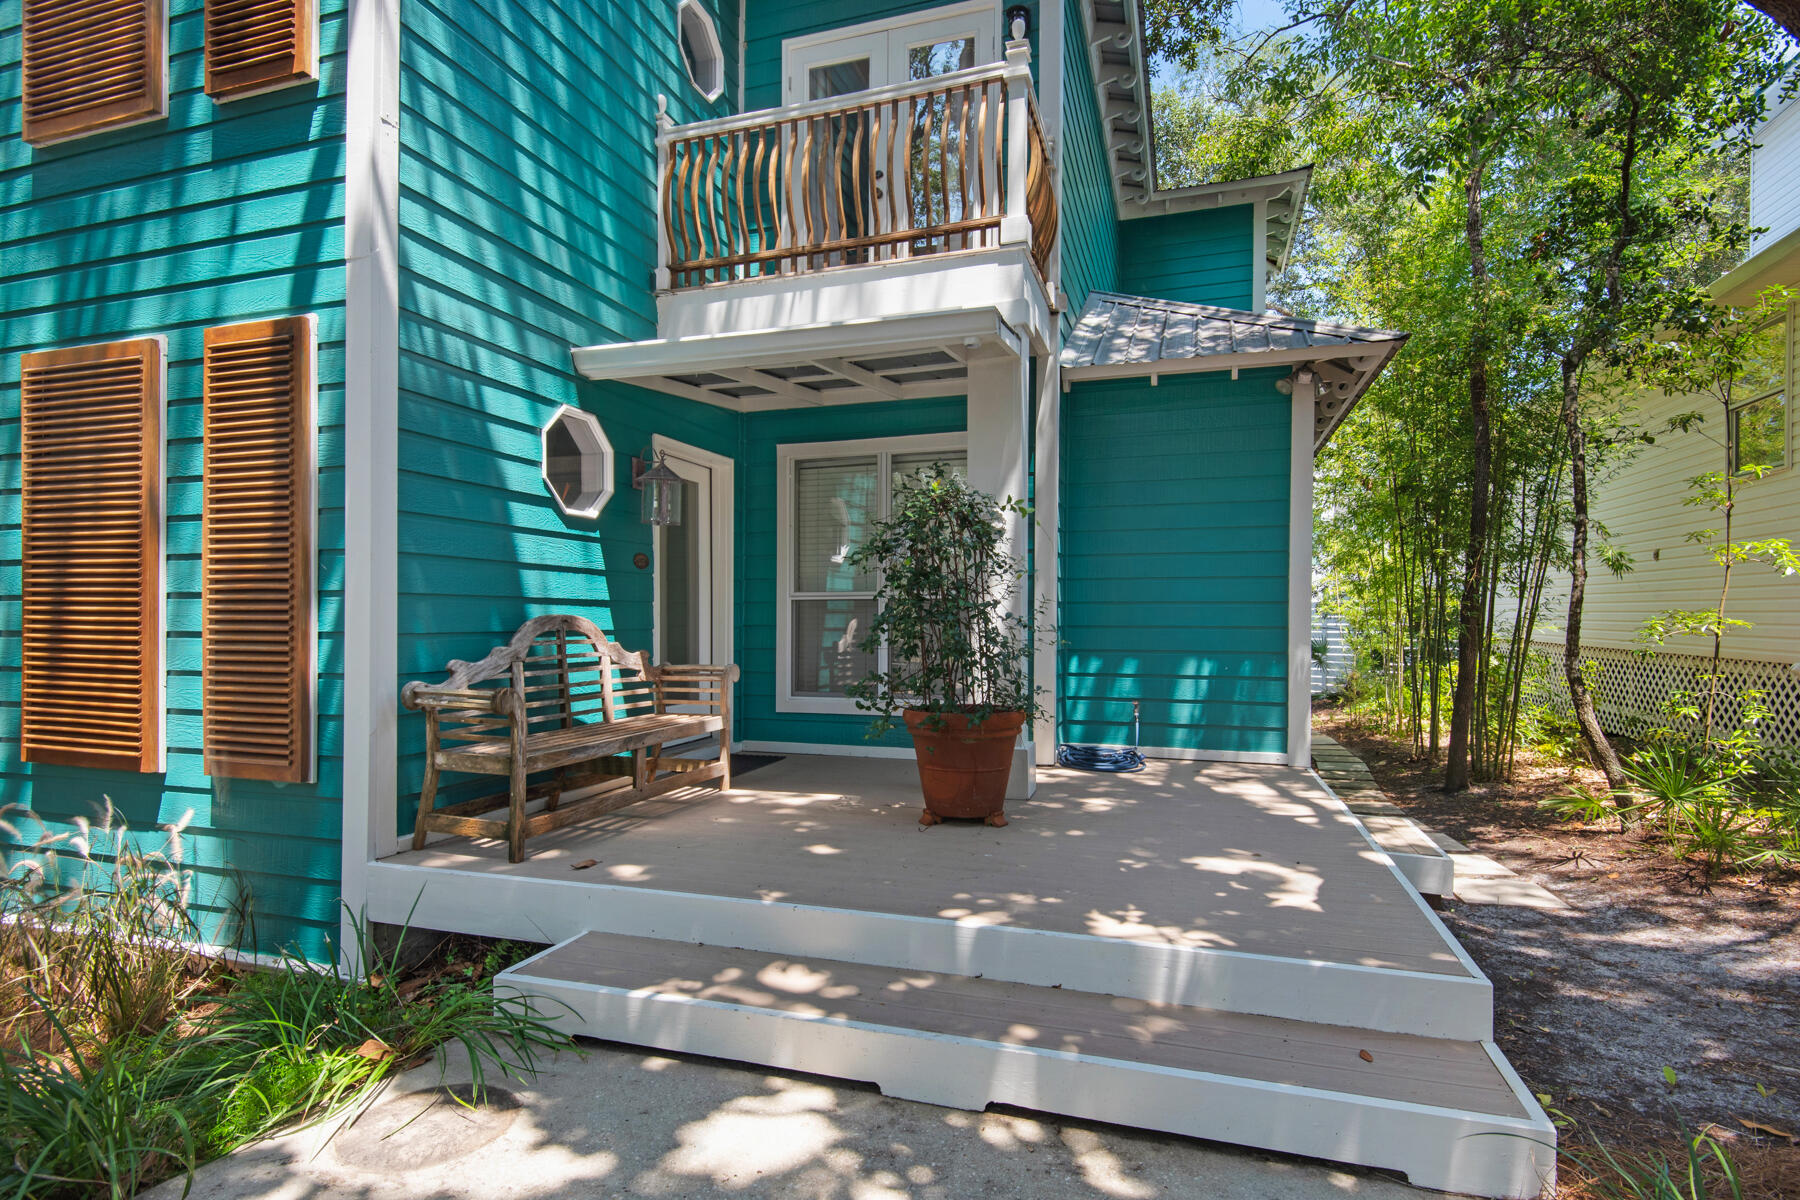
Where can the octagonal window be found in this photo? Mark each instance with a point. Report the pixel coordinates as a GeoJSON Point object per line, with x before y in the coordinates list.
{"type": "Point", "coordinates": [578, 463]}
{"type": "Point", "coordinates": [701, 52]}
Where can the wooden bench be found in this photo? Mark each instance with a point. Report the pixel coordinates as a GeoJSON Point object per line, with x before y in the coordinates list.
{"type": "Point", "coordinates": [558, 696]}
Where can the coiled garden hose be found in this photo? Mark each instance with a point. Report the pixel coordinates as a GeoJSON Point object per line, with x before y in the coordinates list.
{"type": "Point", "coordinates": [1118, 759]}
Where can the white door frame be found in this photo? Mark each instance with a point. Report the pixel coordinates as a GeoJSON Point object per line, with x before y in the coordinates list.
{"type": "Point", "coordinates": [979, 17]}
{"type": "Point", "coordinates": [721, 609]}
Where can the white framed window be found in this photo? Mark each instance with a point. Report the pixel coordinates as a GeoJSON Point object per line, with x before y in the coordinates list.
{"type": "Point", "coordinates": [912, 46]}
{"type": "Point", "coordinates": [829, 497]}
{"type": "Point", "coordinates": [577, 462]}
{"type": "Point", "coordinates": [701, 51]}
{"type": "Point", "coordinates": [1757, 423]}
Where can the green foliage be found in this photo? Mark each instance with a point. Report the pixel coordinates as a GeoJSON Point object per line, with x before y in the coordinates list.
{"type": "Point", "coordinates": [302, 1041]}
{"type": "Point", "coordinates": [80, 1124]}
{"type": "Point", "coordinates": [111, 1079]}
{"type": "Point", "coordinates": [1529, 188]}
{"type": "Point", "coordinates": [945, 606]}
{"type": "Point", "coordinates": [92, 925]}
{"type": "Point", "coordinates": [1705, 1171]}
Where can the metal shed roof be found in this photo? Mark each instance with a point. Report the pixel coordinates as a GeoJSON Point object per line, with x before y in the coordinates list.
{"type": "Point", "coordinates": [1119, 336]}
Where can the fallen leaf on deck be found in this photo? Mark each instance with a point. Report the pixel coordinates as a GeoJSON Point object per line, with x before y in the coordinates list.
{"type": "Point", "coordinates": [1747, 1123]}
{"type": "Point", "coordinates": [584, 864]}
{"type": "Point", "coordinates": [1365, 1056]}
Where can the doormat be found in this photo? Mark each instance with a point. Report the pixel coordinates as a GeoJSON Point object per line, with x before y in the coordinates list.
{"type": "Point", "coordinates": [743, 764]}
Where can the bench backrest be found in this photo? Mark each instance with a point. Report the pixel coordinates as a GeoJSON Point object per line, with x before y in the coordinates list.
{"type": "Point", "coordinates": [567, 670]}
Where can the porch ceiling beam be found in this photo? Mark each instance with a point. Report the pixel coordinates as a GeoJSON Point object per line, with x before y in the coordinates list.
{"type": "Point", "coordinates": [857, 375]}
{"type": "Point", "coordinates": [674, 387]}
{"type": "Point", "coordinates": [787, 390]}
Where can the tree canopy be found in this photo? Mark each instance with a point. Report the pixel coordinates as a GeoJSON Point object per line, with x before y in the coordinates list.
{"type": "Point", "coordinates": [1534, 189]}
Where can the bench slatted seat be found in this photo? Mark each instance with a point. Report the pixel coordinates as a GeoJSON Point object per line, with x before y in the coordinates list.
{"type": "Point", "coordinates": [560, 695]}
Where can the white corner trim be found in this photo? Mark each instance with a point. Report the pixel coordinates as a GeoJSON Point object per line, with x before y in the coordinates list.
{"type": "Point", "coordinates": [1300, 554]}
{"type": "Point", "coordinates": [371, 441]}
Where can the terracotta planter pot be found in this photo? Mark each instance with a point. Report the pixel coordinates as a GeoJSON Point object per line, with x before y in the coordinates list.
{"type": "Point", "coordinates": [963, 770]}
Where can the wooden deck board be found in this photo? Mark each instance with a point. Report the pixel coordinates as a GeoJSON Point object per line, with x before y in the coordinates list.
{"type": "Point", "coordinates": [1428, 1071]}
{"type": "Point", "coordinates": [1252, 859]}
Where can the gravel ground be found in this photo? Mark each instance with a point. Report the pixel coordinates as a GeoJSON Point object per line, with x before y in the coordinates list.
{"type": "Point", "coordinates": [1652, 968]}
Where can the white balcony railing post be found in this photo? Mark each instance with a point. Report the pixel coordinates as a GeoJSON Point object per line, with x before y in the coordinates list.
{"type": "Point", "coordinates": [665, 128]}
{"type": "Point", "coordinates": [1015, 225]}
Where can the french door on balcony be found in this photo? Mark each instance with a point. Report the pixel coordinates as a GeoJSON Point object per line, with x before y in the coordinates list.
{"type": "Point", "coordinates": [843, 178]}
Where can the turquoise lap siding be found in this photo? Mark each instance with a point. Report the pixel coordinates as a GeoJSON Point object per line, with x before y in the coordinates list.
{"type": "Point", "coordinates": [1090, 230]}
{"type": "Point", "coordinates": [1173, 587]}
{"type": "Point", "coordinates": [1201, 257]}
{"type": "Point", "coordinates": [218, 214]}
{"type": "Point", "coordinates": [758, 719]}
{"type": "Point", "coordinates": [527, 228]}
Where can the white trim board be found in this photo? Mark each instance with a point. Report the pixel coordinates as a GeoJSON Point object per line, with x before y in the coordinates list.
{"type": "Point", "coordinates": [1447, 1149]}
{"type": "Point", "coordinates": [499, 904]}
{"type": "Point", "coordinates": [1299, 569]}
{"type": "Point", "coordinates": [371, 446]}
{"type": "Point", "coordinates": [723, 494]}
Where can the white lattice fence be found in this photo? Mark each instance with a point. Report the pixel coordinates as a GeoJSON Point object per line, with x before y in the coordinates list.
{"type": "Point", "coordinates": [1630, 690]}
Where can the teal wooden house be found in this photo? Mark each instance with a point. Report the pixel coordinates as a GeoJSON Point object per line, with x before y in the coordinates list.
{"type": "Point", "coordinates": [337, 337]}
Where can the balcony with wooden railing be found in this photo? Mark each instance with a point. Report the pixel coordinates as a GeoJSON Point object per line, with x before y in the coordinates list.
{"type": "Point", "coordinates": [956, 162]}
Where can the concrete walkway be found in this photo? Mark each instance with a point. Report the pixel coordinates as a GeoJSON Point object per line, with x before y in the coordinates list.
{"type": "Point", "coordinates": [1480, 879]}
{"type": "Point", "coordinates": [622, 1122]}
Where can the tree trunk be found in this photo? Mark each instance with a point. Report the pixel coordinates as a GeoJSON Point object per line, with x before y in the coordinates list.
{"type": "Point", "coordinates": [1471, 643]}
{"type": "Point", "coordinates": [1599, 749]}
{"type": "Point", "coordinates": [1785, 13]}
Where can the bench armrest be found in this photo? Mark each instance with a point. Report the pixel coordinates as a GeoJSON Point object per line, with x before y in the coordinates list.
{"type": "Point", "coordinates": [694, 683]}
{"type": "Point", "coordinates": [424, 696]}
{"type": "Point", "coordinates": [727, 673]}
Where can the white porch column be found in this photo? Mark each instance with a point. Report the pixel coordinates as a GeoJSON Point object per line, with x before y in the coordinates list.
{"type": "Point", "coordinates": [1300, 542]}
{"type": "Point", "coordinates": [999, 409]}
{"type": "Point", "coordinates": [1048, 468]}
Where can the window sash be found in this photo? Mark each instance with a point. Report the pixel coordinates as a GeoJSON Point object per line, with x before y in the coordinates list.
{"type": "Point", "coordinates": [884, 455]}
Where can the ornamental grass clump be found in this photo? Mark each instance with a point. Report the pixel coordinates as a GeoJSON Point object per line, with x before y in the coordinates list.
{"type": "Point", "coordinates": [947, 607]}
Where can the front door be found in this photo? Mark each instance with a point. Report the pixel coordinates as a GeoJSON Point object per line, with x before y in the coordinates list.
{"type": "Point", "coordinates": [693, 580]}
{"type": "Point", "coordinates": [840, 191]}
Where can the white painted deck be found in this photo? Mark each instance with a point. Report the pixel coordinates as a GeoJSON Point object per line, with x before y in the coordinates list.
{"type": "Point", "coordinates": [1129, 948]}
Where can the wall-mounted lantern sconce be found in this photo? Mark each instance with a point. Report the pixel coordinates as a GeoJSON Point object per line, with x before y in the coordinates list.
{"type": "Point", "coordinates": [1018, 22]}
{"type": "Point", "coordinates": [661, 488]}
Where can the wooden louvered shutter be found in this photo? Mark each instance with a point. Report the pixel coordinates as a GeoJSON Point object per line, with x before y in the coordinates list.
{"type": "Point", "coordinates": [91, 690]}
{"type": "Point", "coordinates": [256, 559]}
{"type": "Point", "coordinates": [254, 45]}
{"type": "Point", "coordinates": [90, 64]}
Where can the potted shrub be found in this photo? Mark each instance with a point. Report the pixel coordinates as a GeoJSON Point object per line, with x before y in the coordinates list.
{"type": "Point", "coordinates": [958, 670]}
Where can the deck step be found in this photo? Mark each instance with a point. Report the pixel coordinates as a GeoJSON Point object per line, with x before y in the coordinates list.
{"type": "Point", "coordinates": [1424, 863]}
{"type": "Point", "coordinates": [1427, 1107]}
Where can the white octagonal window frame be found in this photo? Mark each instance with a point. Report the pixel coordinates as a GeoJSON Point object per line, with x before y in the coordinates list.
{"type": "Point", "coordinates": [596, 457]}
{"type": "Point", "coordinates": [698, 38]}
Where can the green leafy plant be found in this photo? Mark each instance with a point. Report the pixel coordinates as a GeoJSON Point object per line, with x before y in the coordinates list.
{"type": "Point", "coordinates": [302, 1041]}
{"type": "Point", "coordinates": [105, 1124]}
{"type": "Point", "coordinates": [947, 611]}
{"type": "Point", "coordinates": [1705, 1171]}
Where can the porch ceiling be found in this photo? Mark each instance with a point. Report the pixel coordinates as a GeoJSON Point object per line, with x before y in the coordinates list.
{"type": "Point", "coordinates": [851, 362]}
{"type": "Point", "coordinates": [1120, 336]}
